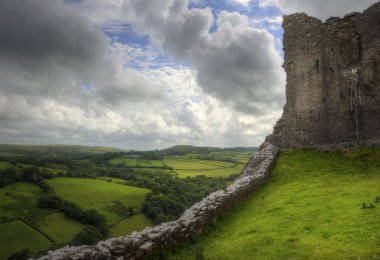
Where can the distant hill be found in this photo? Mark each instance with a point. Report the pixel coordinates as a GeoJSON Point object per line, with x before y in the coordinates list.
{"type": "Point", "coordinates": [184, 149]}
{"type": "Point", "coordinates": [54, 149]}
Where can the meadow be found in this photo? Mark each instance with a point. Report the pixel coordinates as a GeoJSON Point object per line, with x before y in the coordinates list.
{"type": "Point", "coordinates": [4, 165]}
{"type": "Point", "coordinates": [110, 198]}
{"type": "Point", "coordinates": [16, 236]}
{"type": "Point", "coordinates": [25, 226]}
{"type": "Point", "coordinates": [128, 225]}
{"type": "Point", "coordinates": [315, 205]}
{"type": "Point", "coordinates": [188, 167]}
{"type": "Point", "coordinates": [19, 200]}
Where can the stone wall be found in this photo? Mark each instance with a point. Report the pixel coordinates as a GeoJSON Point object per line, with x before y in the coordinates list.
{"type": "Point", "coordinates": [144, 244]}
{"type": "Point", "coordinates": [333, 82]}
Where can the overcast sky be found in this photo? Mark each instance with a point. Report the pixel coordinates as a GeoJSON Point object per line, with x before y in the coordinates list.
{"type": "Point", "coordinates": [145, 74]}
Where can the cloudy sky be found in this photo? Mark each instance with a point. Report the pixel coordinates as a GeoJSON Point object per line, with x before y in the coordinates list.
{"type": "Point", "coordinates": [145, 74]}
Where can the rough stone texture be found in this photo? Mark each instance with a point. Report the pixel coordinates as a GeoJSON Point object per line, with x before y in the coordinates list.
{"type": "Point", "coordinates": [333, 82]}
{"type": "Point", "coordinates": [144, 244]}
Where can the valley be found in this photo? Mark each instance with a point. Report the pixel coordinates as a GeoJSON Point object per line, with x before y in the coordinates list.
{"type": "Point", "coordinates": [115, 192]}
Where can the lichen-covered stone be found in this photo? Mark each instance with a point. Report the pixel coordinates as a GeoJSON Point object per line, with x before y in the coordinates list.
{"type": "Point", "coordinates": [333, 81]}
{"type": "Point", "coordinates": [144, 244]}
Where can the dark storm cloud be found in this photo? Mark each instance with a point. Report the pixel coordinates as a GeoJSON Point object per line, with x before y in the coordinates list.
{"type": "Point", "coordinates": [46, 29]}
{"type": "Point", "coordinates": [48, 50]}
{"type": "Point", "coordinates": [57, 75]}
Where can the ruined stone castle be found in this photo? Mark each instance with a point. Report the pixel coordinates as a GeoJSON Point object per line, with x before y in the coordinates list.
{"type": "Point", "coordinates": [333, 81]}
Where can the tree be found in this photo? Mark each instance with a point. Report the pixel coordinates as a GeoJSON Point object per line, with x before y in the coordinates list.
{"type": "Point", "coordinates": [22, 255]}
{"type": "Point", "coordinates": [88, 236]}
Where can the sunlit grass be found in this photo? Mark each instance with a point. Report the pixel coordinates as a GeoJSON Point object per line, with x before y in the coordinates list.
{"type": "Point", "coordinates": [310, 208]}
{"type": "Point", "coordinates": [98, 194]}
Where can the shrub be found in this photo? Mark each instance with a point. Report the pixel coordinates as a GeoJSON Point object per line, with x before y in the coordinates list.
{"type": "Point", "coordinates": [88, 236]}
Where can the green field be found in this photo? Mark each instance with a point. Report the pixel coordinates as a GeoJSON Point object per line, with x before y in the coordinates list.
{"type": "Point", "coordinates": [181, 164]}
{"type": "Point", "coordinates": [19, 199]}
{"type": "Point", "coordinates": [109, 198]}
{"type": "Point", "coordinates": [16, 236]}
{"type": "Point", "coordinates": [127, 226]}
{"type": "Point", "coordinates": [214, 173]}
{"type": "Point", "coordinates": [60, 228]}
{"type": "Point", "coordinates": [238, 156]}
{"type": "Point", "coordinates": [310, 208]}
{"type": "Point", "coordinates": [4, 165]}
{"type": "Point", "coordinates": [133, 162]}
{"type": "Point", "coordinates": [194, 167]}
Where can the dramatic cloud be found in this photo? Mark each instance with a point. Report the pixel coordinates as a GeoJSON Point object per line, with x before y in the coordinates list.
{"type": "Point", "coordinates": [322, 9]}
{"type": "Point", "coordinates": [236, 63]}
{"type": "Point", "coordinates": [69, 73]}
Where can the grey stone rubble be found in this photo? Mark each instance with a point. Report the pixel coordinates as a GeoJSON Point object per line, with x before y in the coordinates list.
{"type": "Point", "coordinates": [142, 245]}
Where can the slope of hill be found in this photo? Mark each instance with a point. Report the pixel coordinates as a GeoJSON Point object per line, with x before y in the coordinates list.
{"type": "Point", "coordinates": [56, 148]}
{"type": "Point", "coordinates": [183, 149]}
{"type": "Point", "coordinates": [317, 205]}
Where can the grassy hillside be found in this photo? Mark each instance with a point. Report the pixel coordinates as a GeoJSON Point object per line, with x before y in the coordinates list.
{"type": "Point", "coordinates": [16, 236]}
{"type": "Point", "coordinates": [19, 200]}
{"type": "Point", "coordinates": [310, 208]}
{"type": "Point", "coordinates": [192, 167]}
{"type": "Point", "coordinates": [109, 198]}
{"type": "Point", "coordinates": [4, 165]}
{"type": "Point", "coordinates": [53, 226]}
{"type": "Point", "coordinates": [127, 226]}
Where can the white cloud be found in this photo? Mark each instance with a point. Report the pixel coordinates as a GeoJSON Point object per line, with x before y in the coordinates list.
{"type": "Point", "coordinates": [322, 9]}
{"type": "Point", "coordinates": [245, 3]}
{"type": "Point", "coordinates": [237, 63]}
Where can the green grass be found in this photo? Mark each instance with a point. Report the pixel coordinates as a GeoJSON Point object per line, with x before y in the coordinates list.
{"type": "Point", "coordinates": [133, 162]}
{"type": "Point", "coordinates": [4, 165]}
{"type": "Point", "coordinates": [60, 228]}
{"type": "Point", "coordinates": [19, 199]}
{"type": "Point", "coordinates": [214, 173]}
{"type": "Point", "coordinates": [16, 236]}
{"type": "Point", "coordinates": [100, 195]}
{"type": "Point", "coordinates": [181, 164]}
{"type": "Point", "coordinates": [310, 208]}
{"type": "Point", "coordinates": [194, 167]}
{"type": "Point", "coordinates": [127, 226]}
{"type": "Point", "coordinates": [114, 180]}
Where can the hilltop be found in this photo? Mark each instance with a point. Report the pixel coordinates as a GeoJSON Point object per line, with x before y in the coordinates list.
{"type": "Point", "coordinates": [315, 205]}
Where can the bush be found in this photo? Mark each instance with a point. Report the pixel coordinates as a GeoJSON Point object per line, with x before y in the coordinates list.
{"type": "Point", "coordinates": [22, 255]}
{"type": "Point", "coordinates": [88, 236]}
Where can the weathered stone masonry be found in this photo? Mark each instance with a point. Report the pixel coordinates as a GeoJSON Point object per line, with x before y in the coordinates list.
{"type": "Point", "coordinates": [333, 82]}
{"type": "Point", "coordinates": [141, 245]}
